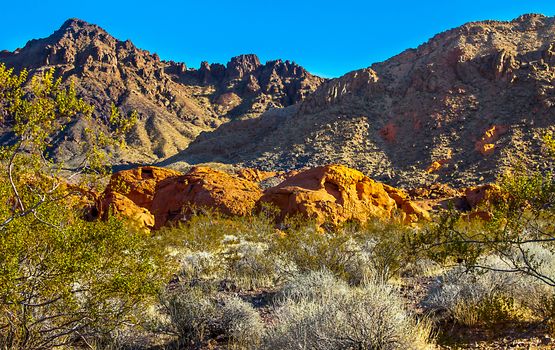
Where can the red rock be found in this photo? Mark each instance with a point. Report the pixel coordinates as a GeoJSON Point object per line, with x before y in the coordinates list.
{"type": "Point", "coordinates": [139, 185]}
{"type": "Point", "coordinates": [483, 195]}
{"type": "Point", "coordinates": [331, 194]}
{"type": "Point", "coordinates": [119, 205]}
{"type": "Point", "coordinates": [486, 145]}
{"type": "Point", "coordinates": [203, 187]}
{"type": "Point", "coordinates": [255, 175]}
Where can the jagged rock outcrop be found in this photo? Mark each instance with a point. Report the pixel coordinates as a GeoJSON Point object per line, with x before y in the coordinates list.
{"type": "Point", "coordinates": [454, 110]}
{"type": "Point", "coordinates": [175, 103]}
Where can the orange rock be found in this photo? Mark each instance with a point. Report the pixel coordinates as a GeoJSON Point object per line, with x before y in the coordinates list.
{"type": "Point", "coordinates": [483, 195]}
{"type": "Point", "coordinates": [203, 187]}
{"type": "Point", "coordinates": [480, 214]}
{"type": "Point", "coordinates": [398, 195]}
{"type": "Point", "coordinates": [139, 185]}
{"type": "Point", "coordinates": [434, 191]}
{"type": "Point", "coordinates": [121, 206]}
{"type": "Point", "coordinates": [333, 194]}
{"type": "Point", "coordinates": [255, 175]}
{"type": "Point", "coordinates": [438, 164]}
{"type": "Point", "coordinates": [486, 145]}
{"type": "Point", "coordinates": [435, 166]}
{"type": "Point", "coordinates": [414, 212]}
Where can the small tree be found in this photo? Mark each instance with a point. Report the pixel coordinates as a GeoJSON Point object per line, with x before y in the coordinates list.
{"type": "Point", "coordinates": [61, 278]}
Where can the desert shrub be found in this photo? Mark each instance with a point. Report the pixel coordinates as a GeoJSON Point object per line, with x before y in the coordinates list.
{"type": "Point", "coordinates": [197, 314]}
{"type": "Point", "coordinates": [207, 231]}
{"type": "Point", "coordinates": [191, 312]}
{"type": "Point", "coordinates": [375, 251]}
{"type": "Point", "coordinates": [315, 285]}
{"type": "Point", "coordinates": [488, 295]}
{"type": "Point", "coordinates": [200, 265]}
{"type": "Point", "coordinates": [241, 323]}
{"type": "Point", "coordinates": [318, 311]}
{"type": "Point", "coordinates": [77, 280]}
{"type": "Point", "coordinates": [63, 279]}
{"type": "Point", "coordinates": [252, 264]}
{"type": "Point", "coordinates": [252, 253]}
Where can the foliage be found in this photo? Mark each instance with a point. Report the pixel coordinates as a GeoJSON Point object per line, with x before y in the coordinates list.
{"type": "Point", "coordinates": [309, 316]}
{"type": "Point", "coordinates": [487, 296]}
{"type": "Point", "coordinates": [522, 219]}
{"type": "Point", "coordinates": [198, 314]}
{"type": "Point", "coordinates": [549, 143]}
{"type": "Point", "coordinates": [62, 279]}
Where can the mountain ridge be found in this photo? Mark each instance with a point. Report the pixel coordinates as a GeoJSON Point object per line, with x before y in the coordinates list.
{"type": "Point", "coordinates": [455, 110]}
{"type": "Point", "coordinates": [175, 103]}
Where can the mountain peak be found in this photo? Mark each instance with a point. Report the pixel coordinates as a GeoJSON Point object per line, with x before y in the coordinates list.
{"type": "Point", "coordinates": [241, 65]}
{"type": "Point", "coordinates": [76, 25]}
{"type": "Point", "coordinates": [530, 17]}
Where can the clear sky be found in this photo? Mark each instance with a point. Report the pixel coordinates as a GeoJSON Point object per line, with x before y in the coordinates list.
{"type": "Point", "coordinates": [328, 38]}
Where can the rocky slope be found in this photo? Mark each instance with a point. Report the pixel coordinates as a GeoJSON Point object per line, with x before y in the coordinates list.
{"type": "Point", "coordinates": [457, 109]}
{"type": "Point", "coordinates": [175, 103]}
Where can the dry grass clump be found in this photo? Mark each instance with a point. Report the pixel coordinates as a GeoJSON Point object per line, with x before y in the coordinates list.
{"type": "Point", "coordinates": [197, 314]}
{"type": "Point", "coordinates": [318, 311]}
{"type": "Point", "coordinates": [490, 295]}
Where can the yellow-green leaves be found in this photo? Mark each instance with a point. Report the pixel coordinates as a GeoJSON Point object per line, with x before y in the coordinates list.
{"type": "Point", "coordinates": [122, 124]}
{"type": "Point", "coordinates": [549, 143]}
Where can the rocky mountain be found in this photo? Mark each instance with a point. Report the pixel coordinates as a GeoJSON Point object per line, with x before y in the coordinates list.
{"type": "Point", "coordinates": [457, 109]}
{"type": "Point", "coordinates": [175, 103]}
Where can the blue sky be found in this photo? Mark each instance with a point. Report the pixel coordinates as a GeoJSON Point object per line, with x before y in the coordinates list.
{"type": "Point", "coordinates": [329, 38]}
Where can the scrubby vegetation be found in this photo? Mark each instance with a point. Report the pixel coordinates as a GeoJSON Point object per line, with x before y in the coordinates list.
{"type": "Point", "coordinates": [245, 283]}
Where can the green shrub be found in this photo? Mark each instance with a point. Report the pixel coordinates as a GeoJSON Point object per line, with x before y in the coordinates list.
{"type": "Point", "coordinates": [62, 279]}
{"type": "Point", "coordinates": [76, 280]}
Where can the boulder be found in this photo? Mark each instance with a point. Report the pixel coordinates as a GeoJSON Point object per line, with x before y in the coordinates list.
{"type": "Point", "coordinates": [411, 210]}
{"type": "Point", "coordinates": [483, 195]}
{"type": "Point", "coordinates": [203, 187]}
{"type": "Point", "coordinates": [331, 194]}
{"type": "Point", "coordinates": [119, 205]}
{"type": "Point", "coordinates": [139, 185]}
{"type": "Point", "coordinates": [255, 175]}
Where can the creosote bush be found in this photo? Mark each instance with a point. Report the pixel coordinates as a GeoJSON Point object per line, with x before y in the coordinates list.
{"type": "Point", "coordinates": [62, 279]}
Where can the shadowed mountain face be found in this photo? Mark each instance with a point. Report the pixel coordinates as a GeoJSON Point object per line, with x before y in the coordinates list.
{"type": "Point", "coordinates": [174, 103]}
{"type": "Point", "coordinates": [457, 109]}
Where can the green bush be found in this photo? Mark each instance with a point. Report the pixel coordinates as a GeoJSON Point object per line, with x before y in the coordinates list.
{"type": "Point", "coordinates": [62, 279]}
{"type": "Point", "coordinates": [74, 279]}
